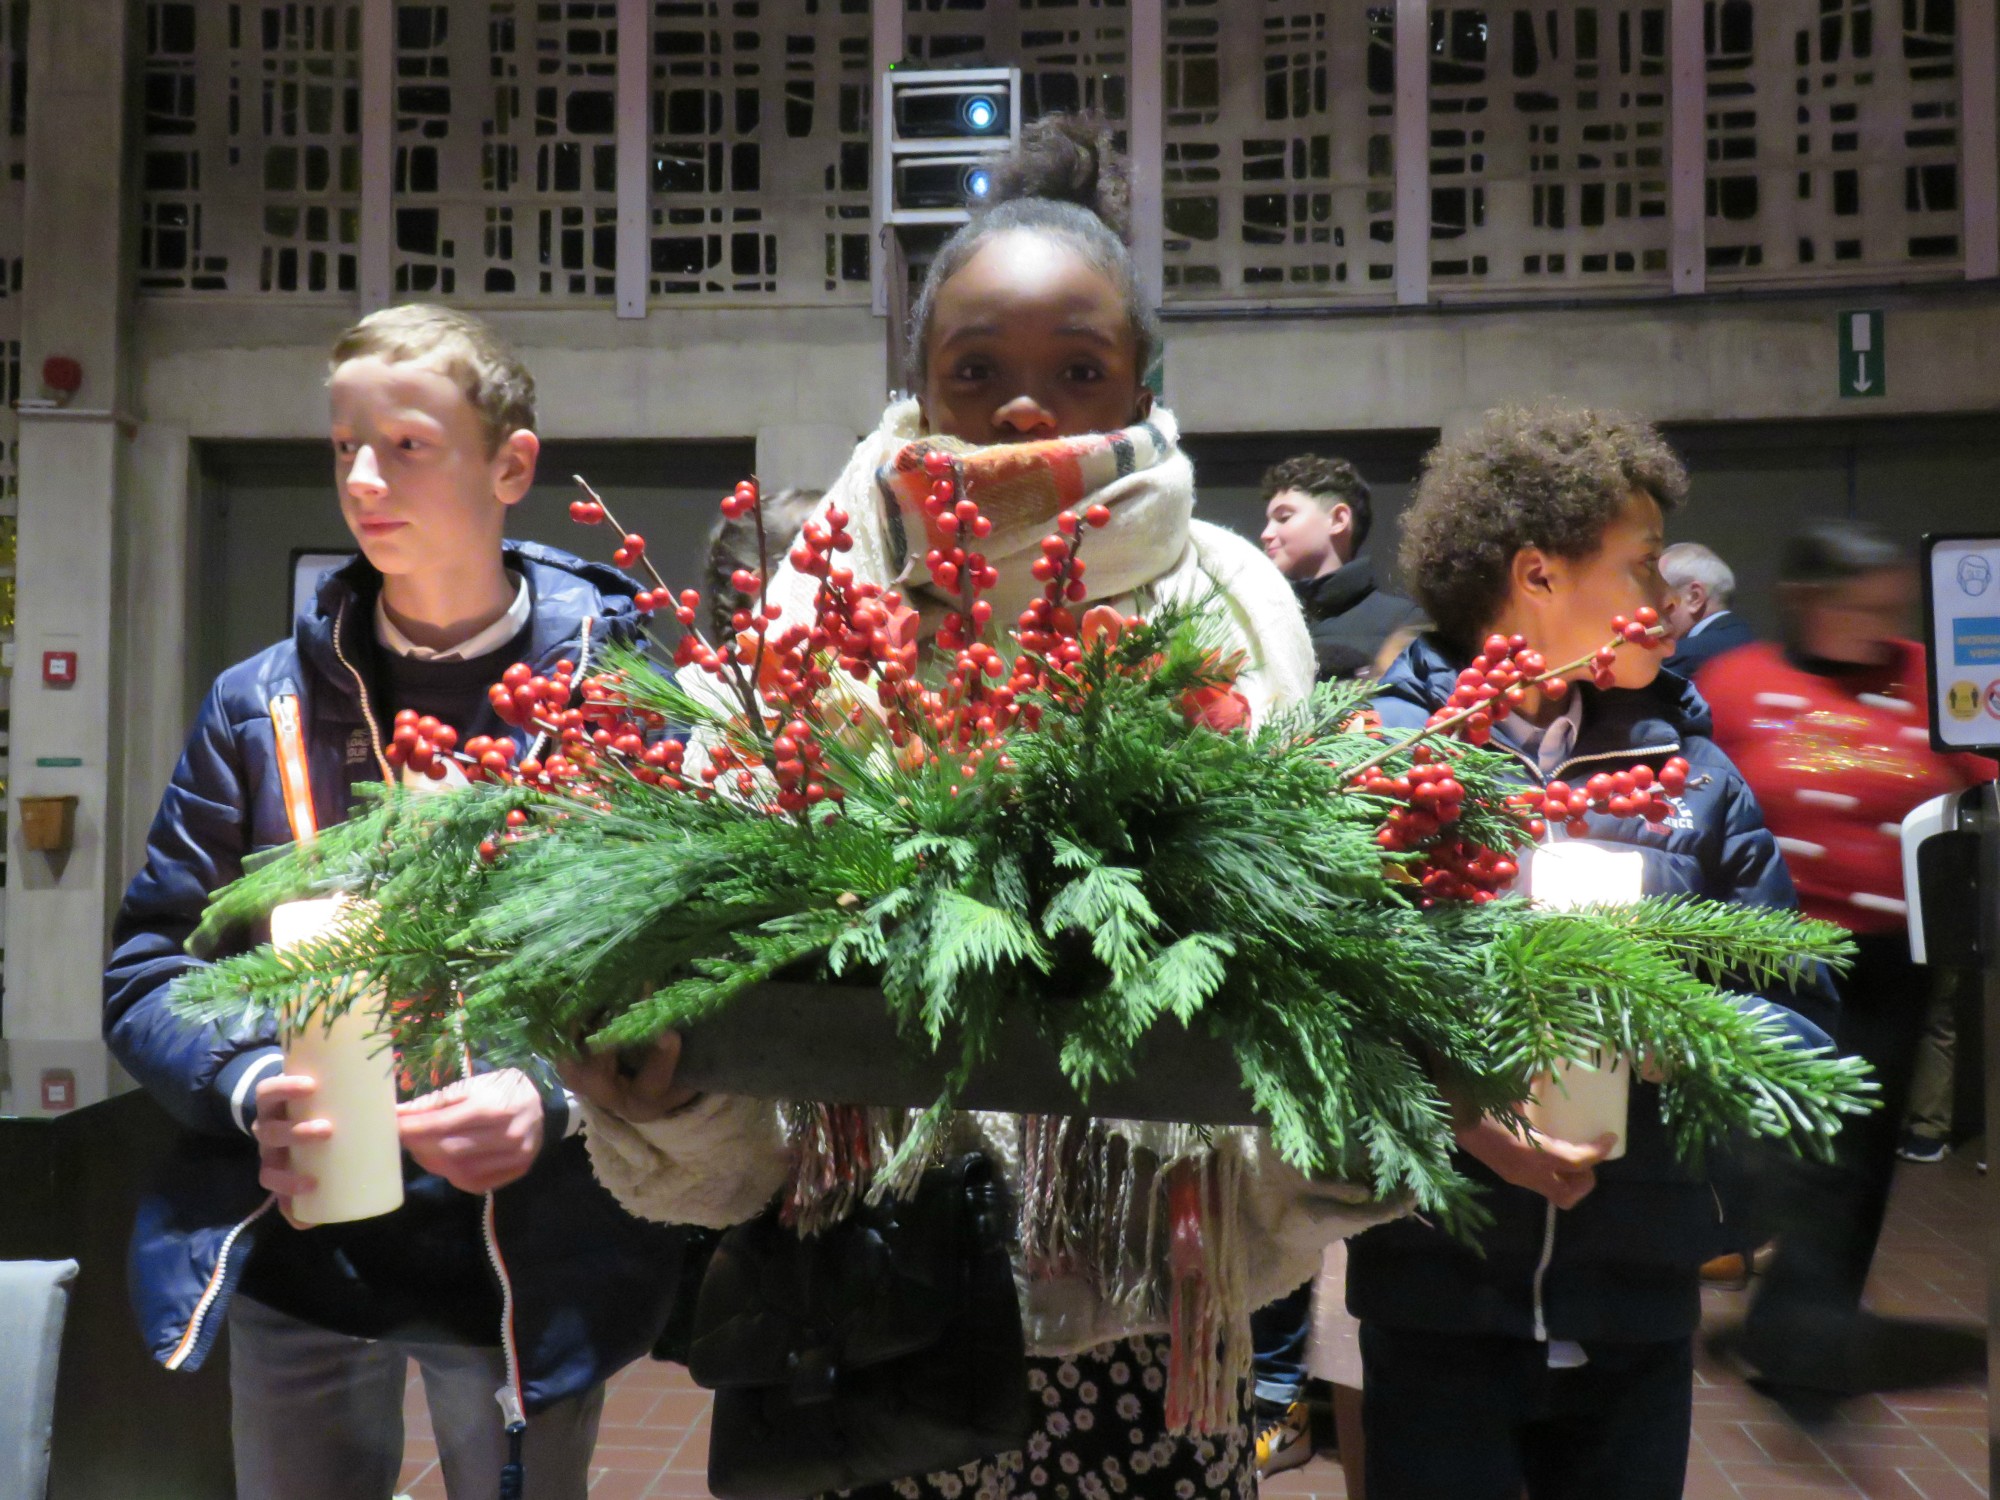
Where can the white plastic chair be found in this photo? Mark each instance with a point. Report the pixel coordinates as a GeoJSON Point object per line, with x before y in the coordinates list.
{"type": "Point", "coordinates": [34, 1298]}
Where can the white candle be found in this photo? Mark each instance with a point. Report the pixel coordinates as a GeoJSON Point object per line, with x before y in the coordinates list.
{"type": "Point", "coordinates": [1582, 1100]}
{"type": "Point", "coordinates": [1571, 873]}
{"type": "Point", "coordinates": [1579, 1102]}
{"type": "Point", "coordinates": [358, 1170]}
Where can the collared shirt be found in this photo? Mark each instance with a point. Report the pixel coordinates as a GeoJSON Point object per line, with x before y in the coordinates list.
{"type": "Point", "coordinates": [491, 639]}
{"type": "Point", "coordinates": [1547, 745]}
{"type": "Point", "coordinates": [1703, 623]}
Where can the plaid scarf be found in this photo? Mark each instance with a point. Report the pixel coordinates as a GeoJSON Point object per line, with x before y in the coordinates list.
{"type": "Point", "coordinates": [1019, 487]}
{"type": "Point", "coordinates": [1139, 473]}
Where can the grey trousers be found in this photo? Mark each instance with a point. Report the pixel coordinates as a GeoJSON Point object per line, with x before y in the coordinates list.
{"type": "Point", "coordinates": [319, 1416]}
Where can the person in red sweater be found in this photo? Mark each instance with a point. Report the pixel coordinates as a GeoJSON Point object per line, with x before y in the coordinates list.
{"type": "Point", "coordinates": [1832, 728]}
{"type": "Point", "coordinates": [1831, 732]}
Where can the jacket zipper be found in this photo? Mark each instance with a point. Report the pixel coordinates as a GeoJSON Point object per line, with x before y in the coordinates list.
{"type": "Point", "coordinates": [192, 1337]}
{"type": "Point", "coordinates": [1632, 754]}
{"type": "Point", "coordinates": [513, 1412]}
{"type": "Point", "coordinates": [367, 709]}
{"type": "Point", "coordinates": [1542, 1270]}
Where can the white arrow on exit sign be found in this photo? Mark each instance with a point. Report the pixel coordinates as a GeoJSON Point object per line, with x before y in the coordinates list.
{"type": "Point", "coordinates": [1863, 370]}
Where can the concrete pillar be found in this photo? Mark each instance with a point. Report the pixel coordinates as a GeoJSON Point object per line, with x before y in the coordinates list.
{"type": "Point", "coordinates": [67, 739]}
{"type": "Point", "coordinates": [156, 695]}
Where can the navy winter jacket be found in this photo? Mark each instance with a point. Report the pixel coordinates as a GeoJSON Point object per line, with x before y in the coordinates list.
{"type": "Point", "coordinates": [1623, 1265]}
{"type": "Point", "coordinates": [593, 1286]}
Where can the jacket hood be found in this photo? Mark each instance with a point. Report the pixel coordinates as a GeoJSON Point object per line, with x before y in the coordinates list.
{"type": "Point", "coordinates": [1336, 592]}
{"type": "Point", "coordinates": [566, 591]}
{"type": "Point", "coordinates": [1667, 707]}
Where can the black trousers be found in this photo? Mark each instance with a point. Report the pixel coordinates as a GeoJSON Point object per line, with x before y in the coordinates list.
{"type": "Point", "coordinates": [1828, 1215]}
{"type": "Point", "coordinates": [1475, 1417]}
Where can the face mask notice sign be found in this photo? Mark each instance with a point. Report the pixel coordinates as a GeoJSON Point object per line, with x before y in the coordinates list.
{"type": "Point", "coordinates": [1962, 629]}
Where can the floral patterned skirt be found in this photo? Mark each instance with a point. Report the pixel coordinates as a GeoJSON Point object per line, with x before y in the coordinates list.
{"type": "Point", "coordinates": [1101, 1432]}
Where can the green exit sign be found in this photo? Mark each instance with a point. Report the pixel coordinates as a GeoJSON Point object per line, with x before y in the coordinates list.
{"type": "Point", "coordinates": [1864, 371]}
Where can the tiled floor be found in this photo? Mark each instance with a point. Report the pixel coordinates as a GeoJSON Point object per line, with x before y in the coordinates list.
{"type": "Point", "coordinates": [1928, 1445]}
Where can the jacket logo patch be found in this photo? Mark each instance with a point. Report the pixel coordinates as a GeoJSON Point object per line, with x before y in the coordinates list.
{"type": "Point", "coordinates": [1681, 819]}
{"type": "Point", "coordinates": [358, 749]}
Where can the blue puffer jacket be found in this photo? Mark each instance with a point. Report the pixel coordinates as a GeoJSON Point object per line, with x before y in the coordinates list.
{"type": "Point", "coordinates": [593, 1286]}
{"type": "Point", "coordinates": [1622, 1265]}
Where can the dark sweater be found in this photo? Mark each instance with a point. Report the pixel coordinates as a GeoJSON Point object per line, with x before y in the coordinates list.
{"type": "Point", "coordinates": [1350, 619]}
{"type": "Point", "coordinates": [452, 691]}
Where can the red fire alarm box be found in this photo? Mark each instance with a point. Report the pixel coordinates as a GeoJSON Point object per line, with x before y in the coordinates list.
{"type": "Point", "coordinates": [58, 1089]}
{"type": "Point", "coordinates": [59, 668]}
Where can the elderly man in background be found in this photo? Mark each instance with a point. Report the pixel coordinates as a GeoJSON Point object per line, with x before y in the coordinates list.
{"type": "Point", "coordinates": [1698, 612]}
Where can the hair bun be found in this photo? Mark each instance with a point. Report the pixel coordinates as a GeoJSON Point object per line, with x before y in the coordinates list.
{"type": "Point", "coordinates": [1069, 158]}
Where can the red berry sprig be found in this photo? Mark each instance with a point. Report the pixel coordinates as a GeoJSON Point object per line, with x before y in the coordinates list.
{"type": "Point", "coordinates": [1465, 870]}
{"type": "Point", "coordinates": [1428, 799]}
{"type": "Point", "coordinates": [1637, 793]}
{"type": "Point", "coordinates": [420, 742]}
{"type": "Point", "coordinates": [592, 511]}
{"type": "Point", "coordinates": [1431, 798]}
{"type": "Point", "coordinates": [1496, 682]}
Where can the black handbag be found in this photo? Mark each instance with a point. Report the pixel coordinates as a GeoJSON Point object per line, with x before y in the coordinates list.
{"type": "Point", "coordinates": [887, 1346]}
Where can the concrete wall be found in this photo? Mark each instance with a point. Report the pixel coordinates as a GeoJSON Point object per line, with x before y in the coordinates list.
{"type": "Point", "coordinates": [1701, 359]}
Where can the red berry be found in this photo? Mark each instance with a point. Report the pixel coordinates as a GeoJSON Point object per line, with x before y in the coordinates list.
{"type": "Point", "coordinates": [1097, 516]}
{"type": "Point", "coordinates": [1646, 615]}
